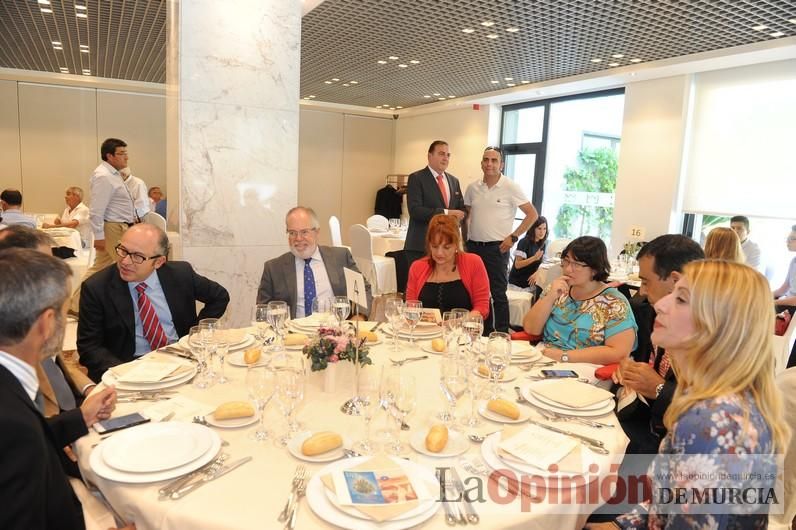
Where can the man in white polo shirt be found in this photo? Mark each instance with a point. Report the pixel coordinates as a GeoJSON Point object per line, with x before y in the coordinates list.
{"type": "Point", "coordinates": [491, 204]}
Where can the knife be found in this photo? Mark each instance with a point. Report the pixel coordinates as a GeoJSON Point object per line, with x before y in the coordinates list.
{"type": "Point", "coordinates": [177, 483]}
{"type": "Point", "coordinates": [376, 327]}
{"type": "Point", "coordinates": [185, 490]}
{"type": "Point", "coordinates": [588, 440]}
{"type": "Point", "coordinates": [450, 516]}
{"type": "Point", "coordinates": [472, 516]}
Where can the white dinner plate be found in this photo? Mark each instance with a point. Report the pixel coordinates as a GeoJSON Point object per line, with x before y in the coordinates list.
{"type": "Point", "coordinates": [110, 380]}
{"type": "Point", "coordinates": [233, 423]}
{"type": "Point", "coordinates": [489, 453]}
{"type": "Point", "coordinates": [236, 359]}
{"type": "Point", "coordinates": [525, 413]}
{"type": "Point", "coordinates": [294, 448]}
{"type": "Point", "coordinates": [426, 347]}
{"type": "Point", "coordinates": [156, 447]}
{"type": "Point", "coordinates": [457, 444]}
{"type": "Point", "coordinates": [324, 503]}
{"type": "Point", "coordinates": [403, 333]}
{"type": "Point", "coordinates": [596, 406]}
{"type": "Point", "coordinates": [98, 465]}
{"type": "Point", "coordinates": [509, 374]}
{"type": "Point", "coordinates": [528, 394]}
{"type": "Point", "coordinates": [184, 343]}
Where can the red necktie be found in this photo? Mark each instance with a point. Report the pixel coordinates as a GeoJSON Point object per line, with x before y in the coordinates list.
{"type": "Point", "coordinates": [442, 189]}
{"type": "Point", "coordinates": [153, 331]}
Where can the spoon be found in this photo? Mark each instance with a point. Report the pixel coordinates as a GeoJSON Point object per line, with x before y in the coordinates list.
{"type": "Point", "coordinates": [478, 438]}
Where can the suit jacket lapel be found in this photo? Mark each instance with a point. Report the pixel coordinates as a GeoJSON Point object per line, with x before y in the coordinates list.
{"type": "Point", "coordinates": [289, 270]}
{"type": "Point", "coordinates": [171, 291]}
{"type": "Point", "coordinates": [120, 296]}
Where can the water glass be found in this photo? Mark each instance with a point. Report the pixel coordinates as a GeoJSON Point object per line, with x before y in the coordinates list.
{"type": "Point", "coordinates": [393, 310]}
{"type": "Point", "coordinates": [277, 313]}
{"type": "Point", "coordinates": [222, 348]}
{"type": "Point", "coordinates": [261, 384]}
{"type": "Point", "coordinates": [199, 352]}
{"type": "Point", "coordinates": [498, 357]}
{"type": "Point", "coordinates": [208, 328]}
{"type": "Point", "coordinates": [322, 310]}
{"type": "Point", "coordinates": [260, 322]}
{"type": "Point", "coordinates": [413, 312]}
{"type": "Point", "coordinates": [404, 394]}
{"type": "Point", "coordinates": [453, 382]}
{"type": "Point", "coordinates": [291, 378]}
{"type": "Point", "coordinates": [395, 225]}
{"type": "Point", "coordinates": [341, 308]}
{"type": "Point", "coordinates": [368, 395]}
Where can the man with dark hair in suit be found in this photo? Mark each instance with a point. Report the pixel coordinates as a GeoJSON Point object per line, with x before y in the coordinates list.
{"type": "Point", "coordinates": [34, 289]}
{"type": "Point", "coordinates": [431, 191]}
{"type": "Point", "coordinates": [142, 303]}
{"type": "Point", "coordinates": [309, 271]}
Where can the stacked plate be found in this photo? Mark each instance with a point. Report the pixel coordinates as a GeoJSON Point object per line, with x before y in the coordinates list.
{"type": "Point", "coordinates": [569, 397]}
{"type": "Point", "coordinates": [183, 373]}
{"type": "Point", "coordinates": [325, 504]}
{"type": "Point", "coordinates": [422, 331]}
{"type": "Point", "coordinates": [498, 460]}
{"type": "Point", "coordinates": [155, 451]}
{"type": "Point", "coordinates": [238, 339]}
{"type": "Point", "coordinates": [308, 325]}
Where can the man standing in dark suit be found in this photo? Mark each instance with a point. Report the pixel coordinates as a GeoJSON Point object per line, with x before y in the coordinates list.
{"type": "Point", "coordinates": [431, 191]}
{"type": "Point", "coordinates": [34, 290]}
{"type": "Point", "coordinates": [309, 271]}
{"type": "Point", "coordinates": [142, 303]}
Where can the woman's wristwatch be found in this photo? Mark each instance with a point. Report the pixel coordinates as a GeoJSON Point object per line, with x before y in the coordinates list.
{"type": "Point", "coordinates": [658, 390]}
{"type": "Point", "coordinates": [564, 357]}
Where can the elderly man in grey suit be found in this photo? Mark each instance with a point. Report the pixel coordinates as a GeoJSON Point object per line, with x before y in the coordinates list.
{"type": "Point", "coordinates": [308, 271]}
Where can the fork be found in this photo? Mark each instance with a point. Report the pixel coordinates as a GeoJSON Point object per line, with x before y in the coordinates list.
{"type": "Point", "coordinates": [408, 360]}
{"type": "Point", "coordinates": [300, 491]}
{"type": "Point", "coordinates": [556, 416]}
{"type": "Point", "coordinates": [200, 420]}
{"type": "Point", "coordinates": [298, 479]}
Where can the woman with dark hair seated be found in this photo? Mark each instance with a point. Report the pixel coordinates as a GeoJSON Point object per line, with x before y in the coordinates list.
{"type": "Point", "coordinates": [580, 317]}
{"type": "Point", "coordinates": [529, 254]}
{"type": "Point", "coordinates": [447, 277]}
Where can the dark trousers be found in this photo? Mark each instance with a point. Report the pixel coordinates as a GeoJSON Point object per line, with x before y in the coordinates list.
{"type": "Point", "coordinates": [497, 267]}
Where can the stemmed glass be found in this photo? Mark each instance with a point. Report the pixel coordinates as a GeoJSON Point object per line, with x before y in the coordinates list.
{"type": "Point", "coordinates": [405, 400]}
{"type": "Point", "coordinates": [208, 328]}
{"type": "Point", "coordinates": [277, 313]}
{"type": "Point", "coordinates": [453, 382]}
{"type": "Point", "coordinates": [199, 352]}
{"type": "Point", "coordinates": [413, 312]}
{"type": "Point", "coordinates": [393, 310]}
{"type": "Point", "coordinates": [260, 322]}
{"type": "Point", "coordinates": [368, 394]}
{"type": "Point", "coordinates": [498, 356]}
{"type": "Point", "coordinates": [222, 348]}
{"type": "Point", "coordinates": [291, 376]}
{"type": "Point", "coordinates": [322, 310]}
{"type": "Point", "coordinates": [395, 225]}
{"type": "Point", "coordinates": [473, 328]}
{"type": "Point", "coordinates": [260, 382]}
{"type": "Point", "coordinates": [341, 308]}
{"type": "Point", "coordinates": [391, 433]}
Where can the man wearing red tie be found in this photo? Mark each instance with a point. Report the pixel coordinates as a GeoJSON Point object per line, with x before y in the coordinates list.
{"type": "Point", "coordinates": [143, 303]}
{"type": "Point", "coordinates": [430, 191]}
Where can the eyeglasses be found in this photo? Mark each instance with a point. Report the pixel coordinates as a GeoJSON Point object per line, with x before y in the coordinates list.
{"type": "Point", "coordinates": [566, 262]}
{"type": "Point", "coordinates": [293, 234]}
{"type": "Point", "coordinates": [493, 148]}
{"type": "Point", "coordinates": [135, 257]}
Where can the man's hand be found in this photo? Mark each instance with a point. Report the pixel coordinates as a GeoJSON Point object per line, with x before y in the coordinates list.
{"type": "Point", "coordinates": [99, 406]}
{"type": "Point", "coordinates": [506, 245]}
{"type": "Point", "coordinates": [99, 244]}
{"type": "Point", "coordinates": [458, 214]}
{"type": "Point", "coordinates": [640, 377]}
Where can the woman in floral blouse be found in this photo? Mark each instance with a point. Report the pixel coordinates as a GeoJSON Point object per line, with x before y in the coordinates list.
{"type": "Point", "coordinates": [725, 418]}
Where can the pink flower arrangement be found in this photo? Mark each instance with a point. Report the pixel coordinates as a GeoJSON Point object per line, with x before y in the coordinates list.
{"type": "Point", "coordinates": [332, 346]}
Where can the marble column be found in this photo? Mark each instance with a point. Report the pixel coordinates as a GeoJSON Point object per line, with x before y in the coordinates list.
{"type": "Point", "coordinates": [233, 92]}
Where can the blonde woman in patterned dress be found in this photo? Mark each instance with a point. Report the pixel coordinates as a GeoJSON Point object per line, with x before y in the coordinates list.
{"type": "Point", "coordinates": [580, 317]}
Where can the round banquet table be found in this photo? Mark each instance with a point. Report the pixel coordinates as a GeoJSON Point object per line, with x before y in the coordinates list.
{"type": "Point", "coordinates": [384, 242]}
{"type": "Point", "coordinates": [253, 495]}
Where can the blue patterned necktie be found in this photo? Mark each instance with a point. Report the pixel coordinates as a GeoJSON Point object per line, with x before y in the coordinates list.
{"type": "Point", "coordinates": [309, 287]}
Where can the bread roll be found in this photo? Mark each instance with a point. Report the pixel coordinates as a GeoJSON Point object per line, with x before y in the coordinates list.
{"type": "Point", "coordinates": [369, 336]}
{"type": "Point", "coordinates": [295, 339]}
{"type": "Point", "coordinates": [504, 408]}
{"type": "Point", "coordinates": [438, 345]}
{"type": "Point", "coordinates": [252, 355]}
{"type": "Point", "coordinates": [437, 438]}
{"type": "Point", "coordinates": [320, 443]}
{"type": "Point", "coordinates": [234, 409]}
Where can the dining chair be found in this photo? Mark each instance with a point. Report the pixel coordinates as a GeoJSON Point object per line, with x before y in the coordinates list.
{"type": "Point", "coordinates": [334, 230]}
{"type": "Point", "coordinates": [554, 248]}
{"type": "Point", "coordinates": [378, 270]}
{"type": "Point", "coordinates": [378, 223]}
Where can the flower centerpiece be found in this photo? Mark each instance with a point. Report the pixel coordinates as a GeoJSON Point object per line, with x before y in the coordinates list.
{"type": "Point", "coordinates": [332, 345]}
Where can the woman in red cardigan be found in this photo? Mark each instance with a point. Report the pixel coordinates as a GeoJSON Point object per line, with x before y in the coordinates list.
{"type": "Point", "coordinates": [447, 277]}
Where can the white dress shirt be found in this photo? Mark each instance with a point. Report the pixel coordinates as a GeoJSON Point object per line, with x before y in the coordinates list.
{"type": "Point", "coordinates": [154, 292]}
{"type": "Point", "coordinates": [80, 213]}
{"type": "Point", "coordinates": [110, 199]}
{"type": "Point", "coordinates": [25, 373]}
{"type": "Point", "coordinates": [444, 183]}
{"type": "Point", "coordinates": [492, 210]}
{"type": "Point", "coordinates": [14, 216]}
{"type": "Point", "coordinates": [138, 192]}
{"type": "Point", "coordinates": [752, 252]}
{"type": "Point", "coordinates": [323, 287]}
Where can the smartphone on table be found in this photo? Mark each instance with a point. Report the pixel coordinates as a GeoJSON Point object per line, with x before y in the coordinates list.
{"type": "Point", "coordinates": [122, 422]}
{"type": "Point", "coordinates": [556, 374]}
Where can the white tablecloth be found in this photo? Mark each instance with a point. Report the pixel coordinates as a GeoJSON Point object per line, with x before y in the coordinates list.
{"type": "Point", "coordinates": [253, 495]}
{"type": "Point", "coordinates": [79, 265]}
{"type": "Point", "coordinates": [387, 242]}
{"type": "Point", "coordinates": [65, 237]}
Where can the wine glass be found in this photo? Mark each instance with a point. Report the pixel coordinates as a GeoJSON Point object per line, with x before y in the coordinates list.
{"type": "Point", "coordinates": [291, 376]}
{"type": "Point", "coordinates": [498, 356]}
{"type": "Point", "coordinates": [473, 326]}
{"type": "Point", "coordinates": [208, 328]}
{"type": "Point", "coordinates": [391, 431]}
{"type": "Point", "coordinates": [453, 382]}
{"type": "Point", "coordinates": [222, 348]}
{"type": "Point", "coordinates": [393, 310]}
{"type": "Point", "coordinates": [260, 383]}
{"type": "Point", "coordinates": [260, 321]}
{"type": "Point", "coordinates": [277, 314]}
{"type": "Point", "coordinates": [199, 351]}
{"type": "Point", "coordinates": [405, 400]}
{"type": "Point", "coordinates": [413, 312]}
{"type": "Point", "coordinates": [341, 309]}
{"type": "Point", "coordinates": [322, 310]}
{"type": "Point", "coordinates": [395, 225]}
{"type": "Point", "coordinates": [368, 394]}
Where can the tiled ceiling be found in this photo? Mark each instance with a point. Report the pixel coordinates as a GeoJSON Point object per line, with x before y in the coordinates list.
{"type": "Point", "coordinates": [528, 41]}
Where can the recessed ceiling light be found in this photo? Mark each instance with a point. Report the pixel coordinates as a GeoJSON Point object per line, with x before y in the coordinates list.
{"type": "Point", "coordinates": [84, 51]}
{"type": "Point", "coordinates": [468, 30]}
{"type": "Point", "coordinates": [488, 24]}
{"type": "Point", "coordinates": [392, 108]}
{"type": "Point", "coordinates": [80, 8]}
{"type": "Point", "coordinates": [346, 84]}
{"type": "Point", "coordinates": [635, 60]}
{"type": "Point", "coordinates": [311, 96]}
{"type": "Point", "coordinates": [427, 97]}
{"type": "Point", "coordinates": [759, 27]}
{"type": "Point", "coordinates": [613, 64]}
{"type": "Point", "coordinates": [86, 72]}
{"type": "Point", "coordinates": [307, 98]}
{"type": "Point", "coordinates": [58, 47]}
{"type": "Point", "coordinates": [512, 30]}
{"type": "Point", "coordinates": [511, 84]}
{"type": "Point", "coordinates": [792, 20]}
{"type": "Point", "coordinates": [508, 79]}
{"type": "Point", "coordinates": [57, 43]}
{"type": "Point", "coordinates": [84, 46]}
{"type": "Point", "coordinates": [436, 93]}
{"type": "Point", "coordinates": [399, 107]}
{"type": "Point", "coordinates": [524, 82]}
{"type": "Point", "coordinates": [495, 82]}
{"type": "Point", "coordinates": [451, 97]}
{"type": "Point", "coordinates": [776, 34]}
{"type": "Point", "coordinates": [617, 55]}
{"type": "Point", "coordinates": [491, 36]}
{"type": "Point", "coordinates": [335, 79]}
{"type": "Point", "coordinates": [44, 2]}
{"type": "Point", "coordinates": [382, 62]}
{"type": "Point", "coordinates": [414, 61]}
{"type": "Point", "coordinates": [81, 15]}
{"type": "Point", "coordinates": [354, 82]}
{"type": "Point", "coordinates": [378, 106]}
{"type": "Point", "coordinates": [392, 58]}
{"type": "Point", "coordinates": [402, 65]}
{"type": "Point", "coordinates": [440, 99]}
{"type": "Point", "coordinates": [596, 60]}
{"type": "Point", "coordinates": [328, 82]}
{"type": "Point", "coordinates": [46, 10]}
{"type": "Point", "coordinates": [64, 70]}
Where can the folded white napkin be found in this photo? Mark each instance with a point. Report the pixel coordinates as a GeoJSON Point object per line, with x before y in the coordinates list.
{"type": "Point", "coordinates": [537, 446]}
{"type": "Point", "coordinates": [571, 393]}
